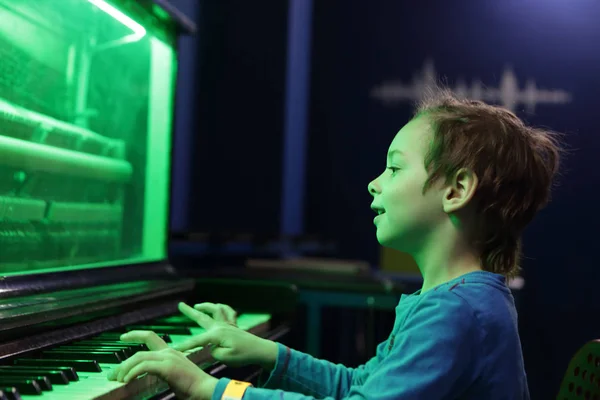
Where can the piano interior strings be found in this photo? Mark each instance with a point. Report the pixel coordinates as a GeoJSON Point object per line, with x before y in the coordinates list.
{"type": "Point", "coordinates": [86, 110]}
{"type": "Point", "coordinates": [86, 98]}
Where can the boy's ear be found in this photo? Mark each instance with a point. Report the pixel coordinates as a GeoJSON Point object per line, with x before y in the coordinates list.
{"type": "Point", "coordinates": [460, 190]}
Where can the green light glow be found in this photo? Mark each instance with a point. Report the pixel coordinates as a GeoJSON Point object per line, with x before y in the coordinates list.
{"type": "Point", "coordinates": [138, 30]}
{"type": "Point", "coordinates": [86, 109]}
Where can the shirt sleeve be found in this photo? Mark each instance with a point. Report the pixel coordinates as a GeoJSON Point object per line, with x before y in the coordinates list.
{"type": "Point", "coordinates": [434, 356]}
{"type": "Point", "coordinates": [301, 373]}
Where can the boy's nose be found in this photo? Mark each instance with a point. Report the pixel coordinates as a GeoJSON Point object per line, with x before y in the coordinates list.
{"type": "Point", "coordinates": [373, 187]}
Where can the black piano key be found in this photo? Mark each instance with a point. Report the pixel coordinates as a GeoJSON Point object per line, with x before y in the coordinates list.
{"type": "Point", "coordinates": [117, 335]}
{"type": "Point", "coordinates": [173, 330]}
{"type": "Point", "coordinates": [175, 321]}
{"type": "Point", "coordinates": [54, 377]}
{"type": "Point", "coordinates": [69, 372]}
{"type": "Point", "coordinates": [134, 347]}
{"type": "Point", "coordinates": [79, 365]}
{"type": "Point", "coordinates": [108, 357]}
{"type": "Point", "coordinates": [43, 381]}
{"type": "Point", "coordinates": [101, 343]}
{"type": "Point", "coordinates": [122, 353]}
{"type": "Point", "coordinates": [105, 344]}
{"type": "Point", "coordinates": [23, 387]}
{"type": "Point", "coordinates": [9, 393]}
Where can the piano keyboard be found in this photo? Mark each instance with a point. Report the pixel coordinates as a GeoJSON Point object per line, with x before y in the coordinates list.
{"type": "Point", "coordinates": [79, 370]}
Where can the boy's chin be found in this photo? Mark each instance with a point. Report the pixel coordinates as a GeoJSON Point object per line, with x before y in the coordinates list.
{"type": "Point", "coordinates": [396, 242]}
{"type": "Point", "coordinates": [387, 240]}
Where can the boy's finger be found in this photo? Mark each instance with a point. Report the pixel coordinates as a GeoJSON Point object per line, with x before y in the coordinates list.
{"type": "Point", "coordinates": [149, 338]}
{"type": "Point", "coordinates": [198, 317]}
{"type": "Point", "coordinates": [201, 340]}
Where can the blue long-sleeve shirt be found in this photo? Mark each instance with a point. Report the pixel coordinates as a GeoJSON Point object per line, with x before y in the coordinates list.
{"type": "Point", "coordinates": [458, 340]}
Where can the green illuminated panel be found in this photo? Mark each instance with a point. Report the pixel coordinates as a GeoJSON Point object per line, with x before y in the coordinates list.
{"type": "Point", "coordinates": [86, 93]}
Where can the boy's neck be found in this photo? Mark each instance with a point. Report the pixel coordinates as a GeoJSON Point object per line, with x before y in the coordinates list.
{"type": "Point", "coordinates": [440, 276]}
{"type": "Point", "coordinates": [444, 260]}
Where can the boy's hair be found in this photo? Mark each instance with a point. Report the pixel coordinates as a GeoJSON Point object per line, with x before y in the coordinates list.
{"type": "Point", "coordinates": [515, 165]}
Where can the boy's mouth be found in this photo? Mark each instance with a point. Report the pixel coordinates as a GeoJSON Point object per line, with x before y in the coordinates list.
{"type": "Point", "coordinates": [378, 210]}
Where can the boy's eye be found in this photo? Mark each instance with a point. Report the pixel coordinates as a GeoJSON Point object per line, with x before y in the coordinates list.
{"type": "Point", "coordinates": [393, 169]}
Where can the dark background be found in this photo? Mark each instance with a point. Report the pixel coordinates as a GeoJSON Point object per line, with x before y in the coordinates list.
{"type": "Point", "coordinates": [237, 130]}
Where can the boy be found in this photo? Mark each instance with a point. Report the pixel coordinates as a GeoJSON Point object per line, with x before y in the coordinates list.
{"type": "Point", "coordinates": [462, 181]}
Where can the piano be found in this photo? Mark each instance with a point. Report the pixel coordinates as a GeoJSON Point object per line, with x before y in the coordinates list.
{"type": "Point", "coordinates": [59, 331]}
{"type": "Point", "coordinates": [86, 110]}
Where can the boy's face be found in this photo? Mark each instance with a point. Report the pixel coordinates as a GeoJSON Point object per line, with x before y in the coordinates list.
{"type": "Point", "coordinates": [409, 216]}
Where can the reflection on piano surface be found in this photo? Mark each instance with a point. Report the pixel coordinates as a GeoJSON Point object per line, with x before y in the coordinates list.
{"type": "Point", "coordinates": [86, 91]}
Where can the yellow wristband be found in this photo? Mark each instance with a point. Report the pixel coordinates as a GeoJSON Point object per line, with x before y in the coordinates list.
{"type": "Point", "coordinates": [235, 390]}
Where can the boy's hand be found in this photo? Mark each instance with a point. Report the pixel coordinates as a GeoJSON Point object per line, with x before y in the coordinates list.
{"type": "Point", "coordinates": [229, 344]}
{"type": "Point", "coordinates": [183, 376]}
{"type": "Point", "coordinates": [219, 312]}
